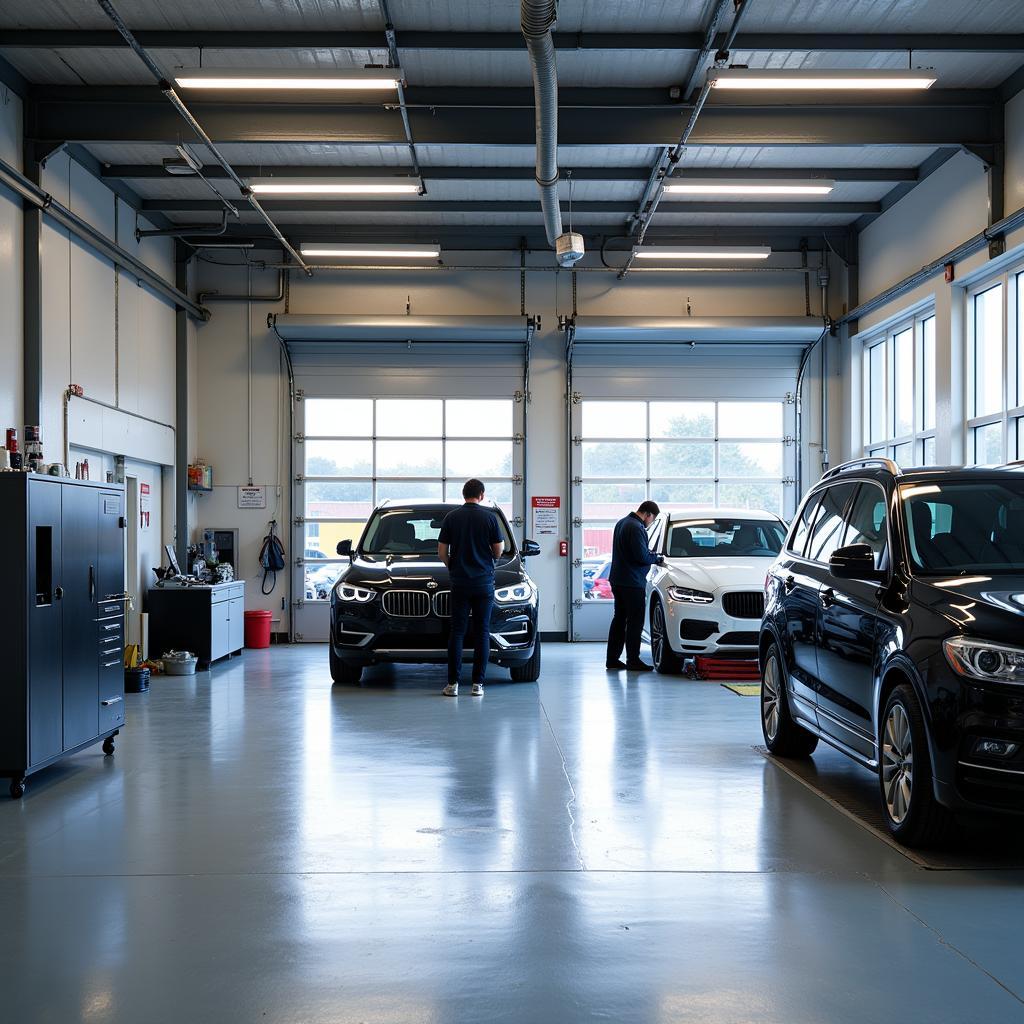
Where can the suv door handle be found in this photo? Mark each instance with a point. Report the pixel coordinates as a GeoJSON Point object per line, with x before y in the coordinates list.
{"type": "Point", "coordinates": [789, 583]}
{"type": "Point", "coordinates": [828, 597]}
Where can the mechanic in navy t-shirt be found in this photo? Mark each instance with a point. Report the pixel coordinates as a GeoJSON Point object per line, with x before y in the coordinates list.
{"type": "Point", "coordinates": [469, 542]}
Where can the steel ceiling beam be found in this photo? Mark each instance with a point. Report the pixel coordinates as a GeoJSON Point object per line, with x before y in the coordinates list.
{"type": "Point", "coordinates": [885, 123]}
{"type": "Point", "coordinates": [412, 206]}
{"type": "Point", "coordinates": [638, 174]}
{"type": "Point", "coordinates": [258, 39]}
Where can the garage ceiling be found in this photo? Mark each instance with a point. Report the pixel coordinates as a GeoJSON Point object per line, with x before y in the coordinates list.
{"type": "Point", "coordinates": [621, 68]}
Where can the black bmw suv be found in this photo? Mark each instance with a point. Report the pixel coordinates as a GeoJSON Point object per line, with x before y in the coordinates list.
{"type": "Point", "coordinates": [894, 631]}
{"type": "Point", "coordinates": [391, 603]}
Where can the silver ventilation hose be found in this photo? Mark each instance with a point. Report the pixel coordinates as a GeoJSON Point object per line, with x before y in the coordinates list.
{"type": "Point", "coordinates": [536, 19]}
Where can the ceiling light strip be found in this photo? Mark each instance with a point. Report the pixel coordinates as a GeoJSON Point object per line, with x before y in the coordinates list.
{"type": "Point", "coordinates": [330, 187]}
{"type": "Point", "coordinates": [818, 79]}
{"type": "Point", "coordinates": [702, 252]}
{"type": "Point", "coordinates": [269, 79]}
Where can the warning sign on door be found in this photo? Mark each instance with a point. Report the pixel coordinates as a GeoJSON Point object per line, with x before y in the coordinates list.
{"type": "Point", "coordinates": [545, 515]}
{"type": "Point", "coordinates": [145, 506]}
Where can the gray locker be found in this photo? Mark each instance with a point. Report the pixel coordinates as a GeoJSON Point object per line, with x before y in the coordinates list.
{"type": "Point", "coordinates": [62, 603]}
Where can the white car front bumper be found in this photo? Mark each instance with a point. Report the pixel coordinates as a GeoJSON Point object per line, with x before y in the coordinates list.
{"type": "Point", "coordinates": [704, 629]}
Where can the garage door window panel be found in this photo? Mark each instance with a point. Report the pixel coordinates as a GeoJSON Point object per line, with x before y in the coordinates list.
{"type": "Point", "coordinates": [615, 419]}
{"type": "Point", "coordinates": [682, 419]}
{"type": "Point", "coordinates": [750, 419]}
{"type": "Point", "coordinates": [478, 459]}
{"type": "Point", "coordinates": [409, 458]}
{"type": "Point", "coordinates": [338, 417]}
{"type": "Point", "coordinates": [682, 459]}
{"type": "Point", "coordinates": [339, 458]}
{"type": "Point", "coordinates": [410, 417]}
{"type": "Point", "coordinates": [478, 418]}
{"type": "Point", "coordinates": [611, 459]}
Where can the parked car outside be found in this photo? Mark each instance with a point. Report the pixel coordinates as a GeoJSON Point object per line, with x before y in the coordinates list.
{"type": "Point", "coordinates": [391, 603]}
{"type": "Point", "coordinates": [314, 553]}
{"type": "Point", "coordinates": [598, 585]}
{"type": "Point", "coordinates": [893, 632]}
{"type": "Point", "coordinates": [708, 597]}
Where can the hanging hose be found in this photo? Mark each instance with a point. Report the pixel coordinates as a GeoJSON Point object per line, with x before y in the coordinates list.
{"type": "Point", "coordinates": [536, 20]}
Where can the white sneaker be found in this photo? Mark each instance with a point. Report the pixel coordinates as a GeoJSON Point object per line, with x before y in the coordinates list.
{"type": "Point", "coordinates": [451, 690]}
{"type": "Point", "coordinates": [477, 691]}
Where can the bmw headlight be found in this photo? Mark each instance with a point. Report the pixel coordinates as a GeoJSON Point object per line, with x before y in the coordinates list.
{"type": "Point", "coordinates": [981, 659]}
{"type": "Point", "coordinates": [515, 594]}
{"type": "Point", "coordinates": [689, 595]}
{"type": "Point", "coordinates": [350, 592]}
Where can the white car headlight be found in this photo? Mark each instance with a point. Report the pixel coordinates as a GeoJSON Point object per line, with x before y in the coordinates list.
{"type": "Point", "coordinates": [981, 659]}
{"type": "Point", "coordinates": [515, 594]}
{"type": "Point", "coordinates": [690, 595]}
{"type": "Point", "coordinates": [349, 592]}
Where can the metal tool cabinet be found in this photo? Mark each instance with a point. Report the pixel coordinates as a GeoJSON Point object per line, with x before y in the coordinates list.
{"type": "Point", "coordinates": [206, 619]}
{"type": "Point", "coordinates": [62, 608]}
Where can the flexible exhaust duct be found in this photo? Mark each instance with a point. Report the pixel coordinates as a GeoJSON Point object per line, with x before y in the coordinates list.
{"type": "Point", "coordinates": [536, 19]}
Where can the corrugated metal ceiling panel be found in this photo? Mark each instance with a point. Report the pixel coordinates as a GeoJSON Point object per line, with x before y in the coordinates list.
{"type": "Point", "coordinates": [885, 16]}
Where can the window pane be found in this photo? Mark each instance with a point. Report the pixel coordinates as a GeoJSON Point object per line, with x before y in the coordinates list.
{"type": "Point", "coordinates": [751, 494]}
{"type": "Point", "coordinates": [1020, 347]}
{"type": "Point", "coordinates": [927, 373]}
{"type": "Point", "coordinates": [683, 496]}
{"type": "Point", "coordinates": [322, 539]}
{"type": "Point", "coordinates": [334, 417]}
{"type": "Point", "coordinates": [614, 419]}
{"type": "Point", "coordinates": [339, 501]}
{"type": "Point", "coordinates": [478, 458]}
{"type": "Point", "coordinates": [400, 490]}
{"type": "Point", "coordinates": [609, 459]}
{"type": "Point", "coordinates": [500, 493]}
{"type": "Point", "coordinates": [866, 522]}
{"type": "Point", "coordinates": [682, 419]}
{"type": "Point", "coordinates": [339, 458]}
{"type": "Point", "coordinates": [758, 458]}
{"type": "Point", "coordinates": [903, 385]}
{"type": "Point", "coordinates": [928, 454]}
{"type": "Point", "coordinates": [750, 419]}
{"type": "Point", "coordinates": [484, 417]}
{"type": "Point", "coordinates": [611, 501]}
{"type": "Point", "coordinates": [409, 458]}
{"type": "Point", "coordinates": [1020, 438]}
{"type": "Point", "coordinates": [988, 444]}
{"type": "Point", "coordinates": [903, 455]}
{"type": "Point", "coordinates": [876, 393]}
{"type": "Point", "coordinates": [596, 558]}
{"type": "Point", "coordinates": [682, 459]}
{"type": "Point", "coordinates": [319, 579]}
{"type": "Point", "coordinates": [408, 417]}
{"type": "Point", "coordinates": [988, 351]}
{"type": "Point", "coordinates": [827, 532]}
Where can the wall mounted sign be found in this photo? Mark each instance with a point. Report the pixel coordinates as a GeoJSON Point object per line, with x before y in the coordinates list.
{"type": "Point", "coordinates": [545, 515]}
{"type": "Point", "coordinates": [252, 497]}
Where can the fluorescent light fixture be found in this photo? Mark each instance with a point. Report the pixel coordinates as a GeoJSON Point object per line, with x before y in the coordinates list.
{"type": "Point", "coordinates": [186, 164]}
{"type": "Point", "coordinates": [328, 188]}
{"type": "Point", "coordinates": [812, 78]}
{"type": "Point", "coordinates": [354, 250]}
{"type": "Point", "coordinates": [288, 78]}
{"type": "Point", "coordinates": [702, 252]}
{"type": "Point", "coordinates": [707, 188]}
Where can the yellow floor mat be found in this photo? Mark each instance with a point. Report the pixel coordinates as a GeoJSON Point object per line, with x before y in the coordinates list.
{"type": "Point", "coordinates": [744, 689]}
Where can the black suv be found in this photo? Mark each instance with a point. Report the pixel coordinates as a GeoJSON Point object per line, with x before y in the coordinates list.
{"type": "Point", "coordinates": [894, 631]}
{"type": "Point", "coordinates": [391, 604]}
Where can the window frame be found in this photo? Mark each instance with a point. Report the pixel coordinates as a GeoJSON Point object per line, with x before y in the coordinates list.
{"type": "Point", "coordinates": [1009, 419]}
{"type": "Point", "coordinates": [922, 434]}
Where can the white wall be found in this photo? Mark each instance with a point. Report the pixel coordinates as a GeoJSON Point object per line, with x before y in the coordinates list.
{"type": "Point", "coordinates": [221, 389]}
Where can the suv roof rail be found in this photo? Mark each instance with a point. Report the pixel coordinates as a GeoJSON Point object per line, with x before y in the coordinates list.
{"type": "Point", "coordinates": [886, 464]}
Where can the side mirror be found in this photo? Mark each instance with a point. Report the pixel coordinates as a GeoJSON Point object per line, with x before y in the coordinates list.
{"type": "Point", "coordinates": [855, 562]}
{"type": "Point", "coordinates": [530, 547]}
{"type": "Point", "coordinates": [345, 548]}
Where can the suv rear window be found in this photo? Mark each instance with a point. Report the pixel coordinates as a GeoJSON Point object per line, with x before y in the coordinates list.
{"type": "Point", "coordinates": [827, 531]}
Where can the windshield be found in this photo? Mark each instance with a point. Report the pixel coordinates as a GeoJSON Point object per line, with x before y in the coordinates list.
{"type": "Point", "coordinates": [966, 526]}
{"type": "Point", "coordinates": [725, 538]}
{"type": "Point", "coordinates": [413, 531]}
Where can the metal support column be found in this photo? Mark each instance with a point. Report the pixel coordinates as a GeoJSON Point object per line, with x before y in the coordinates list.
{"type": "Point", "coordinates": [32, 297]}
{"type": "Point", "coordinates": [181, 376]}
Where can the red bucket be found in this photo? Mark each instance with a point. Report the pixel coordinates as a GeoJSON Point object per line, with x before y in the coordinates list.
{"type": "Point", "coordinates": [257, 629]}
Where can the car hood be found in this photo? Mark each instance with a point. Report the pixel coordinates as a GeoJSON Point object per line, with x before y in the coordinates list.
{"type": "Point", "coordinates": [987, 606]}
{"type": "Point", "coordinates": [417, 572]}
{"type": "Point", "coordinates": [713, 574]}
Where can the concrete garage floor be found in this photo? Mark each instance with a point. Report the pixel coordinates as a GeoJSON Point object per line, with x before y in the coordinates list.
{"type": "Point", "coordinates": [598, 847]}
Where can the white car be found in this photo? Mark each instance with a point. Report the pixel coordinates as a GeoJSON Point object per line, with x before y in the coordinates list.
{"type": "Point", "coordinates": [708, 597]}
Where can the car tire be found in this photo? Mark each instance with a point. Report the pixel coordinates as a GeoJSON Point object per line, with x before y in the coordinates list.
{"type": "Point", "coordinates": [913, 815]}
{"type": "Point", "coordinates": [528, 671]}
{"type": "Point", "coordinates": [666, 661]}
{"type": "Point", "coordinates": [782, 735]}
{"type": "Point", "coordinates": [344, 672]}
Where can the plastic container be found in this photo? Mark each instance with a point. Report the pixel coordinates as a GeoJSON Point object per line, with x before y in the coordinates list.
{"type": "Point", "coordinates": [257, 629]}
{"type": "Point", "coordinates": [179, 663]}
{"type": "Point", "coordinates": [136, 680]}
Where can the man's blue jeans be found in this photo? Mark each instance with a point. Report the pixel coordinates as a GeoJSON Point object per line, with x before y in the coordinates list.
{"type": "Point", "coordinates": [480, 604]}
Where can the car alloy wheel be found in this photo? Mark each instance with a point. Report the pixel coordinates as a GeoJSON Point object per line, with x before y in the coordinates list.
{"type": "Point", "coordinates": [770, 699]}
{"type": "Point", "coordinates": [658, 633]}
{"type": "Point", "coordinates": [897, 763]}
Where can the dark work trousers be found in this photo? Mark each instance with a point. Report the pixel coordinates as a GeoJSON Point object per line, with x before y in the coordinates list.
{"type": "Point", "coordinates": [480, 603]}
{"type": "Point", "coordinates": [627, 624]}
